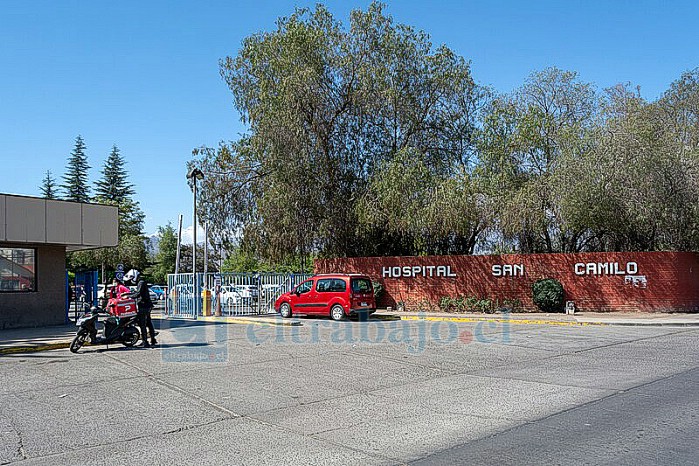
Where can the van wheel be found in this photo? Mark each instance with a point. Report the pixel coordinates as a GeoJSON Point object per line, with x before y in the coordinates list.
{"type": "Point", "coordinates": [285, 310]}
{"type": "Point", "coordinates": [337, 313]}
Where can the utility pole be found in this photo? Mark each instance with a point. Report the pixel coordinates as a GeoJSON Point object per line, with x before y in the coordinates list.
{"type": "Point", "coordinates": [206, 249]}
{"type": "Point", "coordinates": [195, 174]}
{"type": "Point", "coordinates": [179, 241]}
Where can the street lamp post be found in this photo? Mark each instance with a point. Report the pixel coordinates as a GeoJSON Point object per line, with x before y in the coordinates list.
{"type": "Point", "coordinates": [219, 246]}
{"type": "Point", "coordinates": [195, 174]}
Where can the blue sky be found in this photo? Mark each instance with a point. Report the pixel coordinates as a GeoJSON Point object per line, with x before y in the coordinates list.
{"type": "Point", "coordinates": [144, 74]}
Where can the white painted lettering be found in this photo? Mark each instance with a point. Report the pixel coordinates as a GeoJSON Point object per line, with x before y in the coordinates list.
{"type": "Point", "coordinates": [441, 271]}
{"type": "Point", "coordinates": [579, 268]}
{"type": "Point", "coordinates": [632, 268]}
{"type": "Point", "coordinates": [386, 272]}
{"type": "Point", "coordinates": [497, 270]}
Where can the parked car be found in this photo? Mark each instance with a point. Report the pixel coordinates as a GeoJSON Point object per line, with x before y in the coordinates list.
{"type": "Point", "coordinates": [247, 291]}
{"type": "Point", "coordinates": [182, 290]}
{"type": "Point", "coordinates": [229, 296]}
{"type": "Point", "coordinates": [336, 295]}
{"type": "Point", "coordinates": [100, 291]}
{"type": "Point", "coordinates": [153, 296]}
{"type": "Point", "coordinates": [271, 291]}
{"type": "Point", "coordinates": [159, 290]}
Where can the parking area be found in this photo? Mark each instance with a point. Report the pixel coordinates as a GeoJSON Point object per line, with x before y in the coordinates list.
{"type": "Point", "coordinates": [377, 392]}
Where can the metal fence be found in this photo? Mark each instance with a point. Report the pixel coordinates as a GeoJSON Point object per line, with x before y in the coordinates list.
{"type": "Point", "coordinates": [233, 294]}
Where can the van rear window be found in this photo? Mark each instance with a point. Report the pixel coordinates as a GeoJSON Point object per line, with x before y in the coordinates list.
{"type": "Point", "coordinates": [361, 285]}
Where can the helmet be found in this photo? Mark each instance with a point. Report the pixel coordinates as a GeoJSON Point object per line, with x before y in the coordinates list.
{"type": "Point", "coordinates": [131, 276]}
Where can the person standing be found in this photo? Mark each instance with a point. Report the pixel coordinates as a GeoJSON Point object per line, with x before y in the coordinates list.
{"type": "Point", "coordinates": [144, 305]}
{"type": "Point", "coordinates": [118, 289]}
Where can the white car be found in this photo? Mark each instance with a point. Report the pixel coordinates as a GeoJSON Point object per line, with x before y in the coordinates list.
{"type": "Point", "coordinates": [247, 291]}
{"type": "Point", "coordinates": [100, 291]}
{"type": "Point", "coordinates": [230, 296]}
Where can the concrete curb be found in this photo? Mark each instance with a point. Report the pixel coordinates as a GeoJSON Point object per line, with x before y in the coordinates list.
{"type": "Point", "coordinates": [244, 320]}
{"type": "Point", "coordinates": [517, 321]}
{"type": "Point", "coordinates": [34, 348]}
{"type": "Point", "coordinates": [502, 320]}
{"type": "Point", "coordinates": [652, 324]}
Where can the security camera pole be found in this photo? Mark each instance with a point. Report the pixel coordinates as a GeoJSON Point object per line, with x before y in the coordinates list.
{"type": "Point", "coordinates": [195, 174]}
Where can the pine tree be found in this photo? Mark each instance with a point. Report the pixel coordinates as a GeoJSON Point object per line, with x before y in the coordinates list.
{"type": "Point", "coordinates": [75, 179]}
{"type": "Point", "coordinates": [48, 186]}
{"type": "Point", "coordinates": [113, 186]}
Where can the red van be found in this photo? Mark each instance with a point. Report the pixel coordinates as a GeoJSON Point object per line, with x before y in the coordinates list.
{"type": "Point", "coordinates": [336, 295]}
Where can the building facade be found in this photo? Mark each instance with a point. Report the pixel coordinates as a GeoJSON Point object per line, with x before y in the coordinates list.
{"type": "Point", "coordinates": [35, 235]}
{"type": "Point", "coordinates": [645, 282]}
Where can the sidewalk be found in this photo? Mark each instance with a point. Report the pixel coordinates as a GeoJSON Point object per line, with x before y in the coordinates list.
{"type": "Point", "coordinates": [534, 318]}
{"type": "Point", "coordinates": [27, 340]}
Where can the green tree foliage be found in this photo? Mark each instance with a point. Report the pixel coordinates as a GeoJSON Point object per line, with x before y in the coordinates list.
{"type": "Point", "coordinates": [367, 139]}
{"type": "Point", "coordinates": [114, 185]}
{"type": "Point", "coordinates": [526, 137]}
{"type": "Point", "coordinates": [76, 177]}
{"type": "Point", "coordinates": [113, 188]}
{"type": "Point", "coordinates": [328, 108]}
{"type": "Point", "coordinates": [48, 186]}
{"type": "Point", "coordinates": [164, 260]}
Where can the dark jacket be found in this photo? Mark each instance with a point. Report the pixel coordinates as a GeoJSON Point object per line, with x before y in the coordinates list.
{"type": "Point", "coordinates": [142, 295]}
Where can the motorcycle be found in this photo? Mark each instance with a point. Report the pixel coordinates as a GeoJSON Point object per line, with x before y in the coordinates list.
{"type": "Point", "coordinates": [121, 328]}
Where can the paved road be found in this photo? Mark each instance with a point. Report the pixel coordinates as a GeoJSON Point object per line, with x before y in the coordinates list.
{"type": "Point", "coordinates": [360, 393]}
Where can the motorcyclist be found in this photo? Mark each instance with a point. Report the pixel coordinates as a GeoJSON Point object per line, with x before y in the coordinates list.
{"type": "Point", "coordinates": [144, 304]}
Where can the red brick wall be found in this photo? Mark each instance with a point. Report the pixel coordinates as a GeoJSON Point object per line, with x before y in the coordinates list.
{"type": "Point", "coordinates": [671, 279]}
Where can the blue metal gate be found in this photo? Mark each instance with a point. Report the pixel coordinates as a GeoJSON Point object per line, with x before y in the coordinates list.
{"type": "Point", "coordinates": [181, 292]}
{"type": "Point", "coordinates": [236, 293]}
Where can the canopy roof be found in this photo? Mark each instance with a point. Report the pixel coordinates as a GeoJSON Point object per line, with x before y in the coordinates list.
{"type": "Point", "coordinates": [76, 225]}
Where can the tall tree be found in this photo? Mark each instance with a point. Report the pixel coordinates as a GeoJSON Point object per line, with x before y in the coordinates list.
{"type": "Point", "coordinates": [164, 260]}
{"type": "Point", "coordinates": [76, 177]}
{"type": "Point", "coordinates": [327, 107]}
{"type": "Point", "coordinates": [48, 186]}
{"type": "Point", "coordinates": [113, 186]}
{"type": "Point", "coordinates": [526, 136]}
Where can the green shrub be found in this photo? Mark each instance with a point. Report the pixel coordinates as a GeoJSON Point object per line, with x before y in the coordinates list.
{"type": "Point", "coordinates": [548, 295]}
{"type": "Point", "coordinates": [512, 305]}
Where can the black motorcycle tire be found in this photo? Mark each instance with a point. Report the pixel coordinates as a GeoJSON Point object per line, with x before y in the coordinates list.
{"type": "Point", "coordinates": [131, 338]}
{"type": "Point", "coordinates": [77, 342]}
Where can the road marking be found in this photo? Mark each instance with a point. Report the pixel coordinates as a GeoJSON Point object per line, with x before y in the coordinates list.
{"type": "Point", "coordinates": [504, 320]}
{"type": "Point", "coordinates": [243, 320]}
{"type": "Point", "coordinates": [34, 348]}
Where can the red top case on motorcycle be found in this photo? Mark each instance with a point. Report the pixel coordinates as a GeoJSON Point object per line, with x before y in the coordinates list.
{"type": "Point", "coordinates": [122, 307]}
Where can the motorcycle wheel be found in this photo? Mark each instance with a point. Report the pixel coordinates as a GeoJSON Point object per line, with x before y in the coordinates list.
{"type": "Point", "coordinates": [131, 339]}
{"type": "Point", "coordinates": [77, 342]}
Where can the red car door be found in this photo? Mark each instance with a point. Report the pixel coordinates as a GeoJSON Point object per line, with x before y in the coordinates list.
{"type": "Point", "coordinates": [304, 300]}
